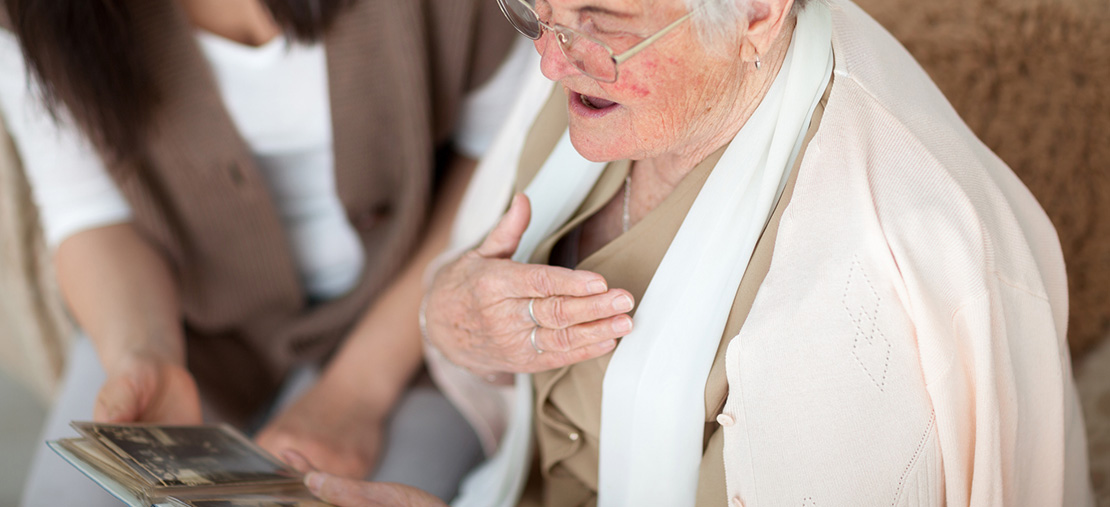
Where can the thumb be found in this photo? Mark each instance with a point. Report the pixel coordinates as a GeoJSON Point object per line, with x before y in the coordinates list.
{"type": "Point", "coordinates": [297, 461]}
{"type": "Point", "coordinates": [117, 402]}
{"type": "Point", "coordinates": [351, 493]}
{"type": "Point", "coordinates": [340, 491]}
{"type": "Point", "coordinates": [505, 237]}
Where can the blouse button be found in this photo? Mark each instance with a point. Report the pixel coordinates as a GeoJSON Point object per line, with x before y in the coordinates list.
{"type": "Point", "coordinates": [725, 420]}
{"type": "Point", "coordinates": [737, 502]}
{"type": "Point", "coordinates": [573, 436]}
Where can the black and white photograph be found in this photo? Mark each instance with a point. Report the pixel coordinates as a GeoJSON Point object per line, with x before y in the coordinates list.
{"type": "Point", "coordinates": [172, 456]}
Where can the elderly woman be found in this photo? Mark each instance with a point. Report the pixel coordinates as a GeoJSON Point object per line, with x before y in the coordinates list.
{"type": "Point", "coordinates": [844, 298]}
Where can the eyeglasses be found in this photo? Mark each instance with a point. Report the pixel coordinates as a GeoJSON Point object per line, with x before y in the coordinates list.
{"type": "Point", "coordinates": [589, 55]}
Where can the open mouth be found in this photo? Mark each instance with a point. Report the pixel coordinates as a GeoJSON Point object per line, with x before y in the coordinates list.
{"type": "Point", "coordinates": [595, 103]}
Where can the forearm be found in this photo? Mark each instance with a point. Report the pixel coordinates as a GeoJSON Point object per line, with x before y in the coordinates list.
{"type": "Point", "coordinates": [122, 293]}
{"type": "Point", "coordinates": [385, 348]}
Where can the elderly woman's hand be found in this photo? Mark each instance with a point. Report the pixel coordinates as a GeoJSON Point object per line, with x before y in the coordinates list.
{"type": "Point", "coordinates": [351, 493]}
{"type": "Point", "coordinates": [490, 315]}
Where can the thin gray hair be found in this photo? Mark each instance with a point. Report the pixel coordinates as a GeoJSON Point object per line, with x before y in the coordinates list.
{"type": "Point", "coordinates": [717, 21]}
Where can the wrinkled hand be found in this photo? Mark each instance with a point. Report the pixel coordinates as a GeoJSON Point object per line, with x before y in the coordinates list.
{"type": "Point", "coordinates": [477, 315]}
{"type": "Point", "coordinates": [335, 433]}
{"type": "Point", "coordinates": [142, 388]}
{"type": "Point", "coordinates": [351, 493]}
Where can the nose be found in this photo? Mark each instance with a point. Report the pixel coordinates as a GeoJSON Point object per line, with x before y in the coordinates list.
{"type": "Point", "coordinates": [553, 63]}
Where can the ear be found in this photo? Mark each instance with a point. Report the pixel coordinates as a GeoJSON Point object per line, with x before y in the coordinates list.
{"type": "Point", "coordinates": [766, 19]}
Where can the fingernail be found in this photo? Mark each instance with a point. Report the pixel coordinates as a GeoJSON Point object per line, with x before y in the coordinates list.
{"type": "Point", "coordinates": [596, 287]}
{"type": "Point", "coordinates": [314, 481]}
{"type": "Point", "coordinates": [623, 325]}
{"type": "Point", "coordinates": [622, 303]}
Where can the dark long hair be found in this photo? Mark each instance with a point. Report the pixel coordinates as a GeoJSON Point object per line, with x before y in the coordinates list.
{"type": "Point", "coordinates": [85, 56]}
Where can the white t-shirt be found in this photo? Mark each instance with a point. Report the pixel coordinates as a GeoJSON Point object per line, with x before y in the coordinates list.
{"type": "Point", "coordinates": [277, 97]}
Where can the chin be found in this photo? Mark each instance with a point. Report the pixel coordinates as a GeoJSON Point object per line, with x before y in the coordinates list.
{"type": "Point", "coordinates": [594, 145]}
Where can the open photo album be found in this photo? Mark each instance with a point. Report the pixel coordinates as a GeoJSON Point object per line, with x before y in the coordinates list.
{"type": "Point", "coordinates": [200, 466]}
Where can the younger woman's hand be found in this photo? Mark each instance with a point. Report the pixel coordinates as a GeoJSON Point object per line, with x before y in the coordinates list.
{"type": "Point", "coordinates": [337, 433]}
{"type": "Point", "coordinates": [144, 388]}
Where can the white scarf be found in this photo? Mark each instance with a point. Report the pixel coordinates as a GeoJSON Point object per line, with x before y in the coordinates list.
{"type": "Point", "coordinates": [652, 415]}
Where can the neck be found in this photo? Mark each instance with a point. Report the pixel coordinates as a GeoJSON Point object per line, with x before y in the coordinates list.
{"type": "Point", "coordinates": [247, 22]}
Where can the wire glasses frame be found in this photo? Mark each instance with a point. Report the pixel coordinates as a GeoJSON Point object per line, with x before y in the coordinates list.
{"type": "Point", "coordinates": [589, 55]}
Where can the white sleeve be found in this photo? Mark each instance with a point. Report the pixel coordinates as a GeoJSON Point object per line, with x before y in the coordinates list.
{"type": "Point", "coordinates": [485, 109]}
{"type": "Point", "coordinates": [69, 182]}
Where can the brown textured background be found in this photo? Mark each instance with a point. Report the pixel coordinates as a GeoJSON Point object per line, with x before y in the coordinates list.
{"type": "Point", "coordinates": [1032, 79]}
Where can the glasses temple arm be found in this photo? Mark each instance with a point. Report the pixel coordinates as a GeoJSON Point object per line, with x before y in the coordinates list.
{"type": "Point", "coordinates": [648, 41]}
